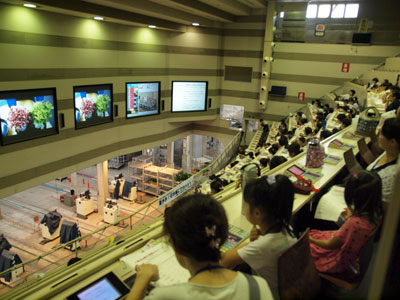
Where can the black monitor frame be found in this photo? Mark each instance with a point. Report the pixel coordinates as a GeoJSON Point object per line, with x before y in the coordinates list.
{"type": "Point", "coordinates": [33, 93]}
{"type": "Point", "coordinates": [183, 111]}
{"type": "Point", "coordinates": [126, 99]}
{"type": "Point", "coordinates": [93, 86]}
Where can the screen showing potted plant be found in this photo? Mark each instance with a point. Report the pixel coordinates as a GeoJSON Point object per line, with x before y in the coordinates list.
{"type": "Point", "coordinates": [19, 118]}
{"type": "Point", "coordinates": [41, 114]}
{"type": "Point", "coordinates": [102, 105]}
{"type": "Point", "coordinates": [87, 108]}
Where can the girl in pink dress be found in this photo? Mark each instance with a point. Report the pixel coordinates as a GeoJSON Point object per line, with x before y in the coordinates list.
{"type": "Point", "coordinates": [333, 251]}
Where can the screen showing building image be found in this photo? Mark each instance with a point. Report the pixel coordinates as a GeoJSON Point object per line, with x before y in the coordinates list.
{"type": "Point", "coordinates": [93, 105]}
{"type": "Point", "coordinates": [189, 96]}
{"type": "Point", "coordinates": [27, 114]}
{"type": "Point", "coordinates": [142, 99]}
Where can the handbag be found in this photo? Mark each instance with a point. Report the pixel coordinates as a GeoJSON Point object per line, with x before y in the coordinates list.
{"type": "Point", "coordinates": [368, 121]}
{"type": "Point", "coordinates": [315, 154]}
{"type": "Point", "coordinates": [304, 186]}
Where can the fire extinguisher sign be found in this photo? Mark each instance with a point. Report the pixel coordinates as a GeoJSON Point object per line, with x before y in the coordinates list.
{"type": "Point", "coordinates": [301, 96]}
{"type": "Point", "coordinates": [345, 67]}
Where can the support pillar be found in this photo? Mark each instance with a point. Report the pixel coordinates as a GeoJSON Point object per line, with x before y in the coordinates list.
{"type": "Point", "coordinates": [170, 155]}
{"type": "Point", "coordinates": [74, 183]}
{"type": "Point", "coordinates": [102, 185]}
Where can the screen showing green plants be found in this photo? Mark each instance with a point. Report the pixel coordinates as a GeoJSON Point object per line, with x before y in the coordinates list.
{"type": "Point", "coordinates": [93, 105]}
{"type": "Point", "coordinates": [27, 114]}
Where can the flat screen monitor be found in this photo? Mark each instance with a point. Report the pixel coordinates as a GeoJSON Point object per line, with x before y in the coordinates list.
{"type": "Point", "coordinates": [93, 105]}
{"type": "Point", "coordinates": [109, 287]}
{"type": "Point", "coordinates": [278, 90]}
{"type": "Point", "coordinates": [27, 114]}
{"type": "Point", "coordinates": [189, 96]}
{"type": "Point", "coordinates": [142, 99]}
{"type": "Point", "coordinates": [361, 38]}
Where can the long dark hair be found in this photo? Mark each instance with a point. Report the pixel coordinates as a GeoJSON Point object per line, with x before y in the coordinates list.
{"type": "Point", "coordinates": [186, 222]}
{"type": "Point", "coordinates": [274, 197]}
{"type": "Point", "coordinates": [363, 193]}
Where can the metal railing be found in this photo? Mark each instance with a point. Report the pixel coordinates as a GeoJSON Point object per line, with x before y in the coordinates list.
{"type": "Point", "coordinates": [39, 264]}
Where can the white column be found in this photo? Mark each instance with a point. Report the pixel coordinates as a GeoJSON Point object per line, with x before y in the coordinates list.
{"type": "Point", "coordinates": [102, 185]}
{"type": "Point", "coordinates": [74, 183]}
{"type": "Point", "coordinates": [204, 145]}
{"type": "Point", "coordinates": [170, 155]}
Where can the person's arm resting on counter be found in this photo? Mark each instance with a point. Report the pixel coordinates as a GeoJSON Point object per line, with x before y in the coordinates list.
{"type": "Point", "coordinates": [144, 274]}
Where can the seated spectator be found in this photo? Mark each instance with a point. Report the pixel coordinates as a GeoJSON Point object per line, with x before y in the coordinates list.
{"type": "Point", "coordinates": [273, 149]}
{"type": "Point", "coordinates": [325, 134]}
{"type": "Point", "coordinates": [240, 150]}
{"type": "Point", "coordinates": [302, 141]}
{"type": "Point", "coordinates": [334, 251]}
{"type": "Point", "coordinates": [308, 132]}
{"type": "Point", "coordinates": [276, 161]}
{"type": "Point", "coordinates": [395, 104]}
{"type": "Point", "coordinates": [283, 141]}
{"type": "Point", "coordinates": [294, 149]}
{"type": "Point", "coordinates": [330, 112]}
{"type": "Point", "coordinates": [374, 84]}
{"type": "Point", "coordinates": [347, 96]}
{"type": "Point", "coordinates": [345, 122]}
{"type": "Point", "coordinates": [216, 187]}
{"type": "Point", "coordinates": [264, 162]}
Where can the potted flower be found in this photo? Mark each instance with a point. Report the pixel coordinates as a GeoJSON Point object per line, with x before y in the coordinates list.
{"type": "Point", "coordinates": [181, 176]}
{"type": "Point", "coordinates": [18, 118]}
{"type": "Point", "coordinates": [41, 114]}
{"type": "Point", "coordinates": [102, 104]}
{"type": "Point", "coordinates": [87, 108]}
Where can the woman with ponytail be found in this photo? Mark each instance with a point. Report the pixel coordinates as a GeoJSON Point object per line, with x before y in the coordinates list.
{"type": "Point", "coordinates": [196, 227]}
{"type": "Point", "coordinates": [268, 206]}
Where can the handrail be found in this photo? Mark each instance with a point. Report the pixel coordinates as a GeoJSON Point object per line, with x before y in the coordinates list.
{"type": "Point", "coordinates": [77, 240]}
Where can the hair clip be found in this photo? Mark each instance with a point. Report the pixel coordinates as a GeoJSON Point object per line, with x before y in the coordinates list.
{"type": "Point", "coordinates": [215, 243]}
{"type": "Point", "coordinates": [210, 231]}
{"type": "Point", "coordinates": [271, 179]}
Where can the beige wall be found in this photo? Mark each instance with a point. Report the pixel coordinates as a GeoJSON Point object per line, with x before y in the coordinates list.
{"type": "Point", "coordinates": [316, 68]}
{"type": "Point", "coordinates": [41, 49]}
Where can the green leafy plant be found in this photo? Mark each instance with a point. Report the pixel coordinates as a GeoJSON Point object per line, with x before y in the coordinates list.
{"type": "Point", "coordinates": [182, 176]}
{"type": "Point", "coordinates": [102, 103]}
{"type": "Point", "coordinates": [41, 113]}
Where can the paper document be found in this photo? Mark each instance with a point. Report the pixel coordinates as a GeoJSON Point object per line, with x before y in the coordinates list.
{"type": "Point", "coordinates": [331, 205]}
{"type": "Point", "coordinates": [162, 255]}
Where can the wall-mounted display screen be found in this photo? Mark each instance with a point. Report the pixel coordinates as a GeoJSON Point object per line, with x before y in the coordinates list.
{"type": "Point", "coordinates": [189, 96]}
{"type": "Point", "coordinates": [27, 114]}
{"type": "Point", "coordinates": [93, 105]}
{"type": "Point", "coordinates": [142, 99]}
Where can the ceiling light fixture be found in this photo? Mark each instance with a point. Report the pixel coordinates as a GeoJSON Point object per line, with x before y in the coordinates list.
{"type": "Point", "coordinates": [196, 24]}
{"type": "Point", "coordinates": [30, 5]}
{"type": "Point", "coordinates": [152, 26]}
{"type": "Point", "coordinates": [98, 18]}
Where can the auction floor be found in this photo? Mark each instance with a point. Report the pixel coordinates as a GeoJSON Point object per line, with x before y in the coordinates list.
{"type": "Point", "coordinates": [18, 226]}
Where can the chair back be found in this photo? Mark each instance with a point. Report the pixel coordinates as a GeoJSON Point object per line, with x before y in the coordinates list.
{"type": "Point", "coordinates": [365, 153]}
{"type": "Point", "coordinates": [297, 276]}
{"type": "Point", "coordinates": [352, 164]}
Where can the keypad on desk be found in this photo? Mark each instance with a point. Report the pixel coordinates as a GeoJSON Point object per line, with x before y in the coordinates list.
{"type": "Point", "coordinates": [235, 235]}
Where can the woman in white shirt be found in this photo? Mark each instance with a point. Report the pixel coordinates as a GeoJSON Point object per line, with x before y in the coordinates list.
{"type": "Point", "coordinates": [197, 227]}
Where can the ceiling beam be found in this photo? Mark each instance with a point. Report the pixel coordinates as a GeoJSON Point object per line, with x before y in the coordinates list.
{"type": "Point", "coordinates": [207, 9]}
{"type": "Point", "coordinates": [255, 3]}
{"type": "Point", "coordinates": [109, 12]}
{"type": "Point", "coordinates": [145, 6]}
{"type": "Point", "coordinates": [236, 6]}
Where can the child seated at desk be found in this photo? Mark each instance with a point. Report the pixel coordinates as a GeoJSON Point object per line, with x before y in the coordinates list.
{"type": "Point", "coordinates": [196, 227]}
{"type": "Point", "coordinates": [334, 251]}
{"type": "Point", "coordinates": [268, 206]}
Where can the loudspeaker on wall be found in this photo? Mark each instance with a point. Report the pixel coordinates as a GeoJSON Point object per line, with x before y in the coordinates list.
{"type": "Point", "coordinates": [62, 121]}
{"type": "Point", "coordinates": [116, 110]}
